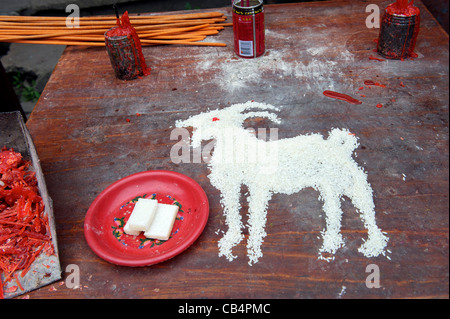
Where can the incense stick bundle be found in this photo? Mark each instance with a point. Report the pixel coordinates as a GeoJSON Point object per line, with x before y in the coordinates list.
{"type": "Point", "coordinates": [180, 29]}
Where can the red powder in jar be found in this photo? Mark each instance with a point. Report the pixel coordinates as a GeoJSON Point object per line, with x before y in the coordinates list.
{"type": "Point", "coordinates": [402, 7]}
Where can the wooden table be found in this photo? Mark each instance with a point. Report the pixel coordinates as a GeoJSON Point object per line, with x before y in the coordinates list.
{"type": "Point", "coordinates": [88, 135]}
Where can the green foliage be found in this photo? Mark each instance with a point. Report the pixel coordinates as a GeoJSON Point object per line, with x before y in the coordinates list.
{"type": "Point", "coordinates": [25, 88]}
{"type": "Point", "coordinates": [188, 6]}
{"type": "Point", "coordinates": [29, 93]}
{"type": "Point", "coordinates": [17, 80]}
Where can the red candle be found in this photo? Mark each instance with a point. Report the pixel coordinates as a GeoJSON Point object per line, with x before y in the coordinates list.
{"type": "Point", "coordinates": [399, 30]}
{"type": "Point", "coordinates": [125, 51]}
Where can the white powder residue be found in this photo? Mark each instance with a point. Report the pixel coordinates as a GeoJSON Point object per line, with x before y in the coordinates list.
{"type": "Point", "coordinates": [271, 35]}
{"type": "Point", "coordinates": [236, 73]}
{"type": "Point", "coordinates": [342, 293]}
{"type": "Point", "coordinates": [307, 67]}
{"type": "Point", "coordinates": [282, 166]}
{"type": "Point", "coordinates": [232, 73]}
{"type": "Point", "coordinates": [316, 50]}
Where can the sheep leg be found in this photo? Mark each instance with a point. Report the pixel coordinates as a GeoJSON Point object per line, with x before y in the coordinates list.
{"type": "Point", "coordinates": [233, 236]}
{"type": "Point", "coordinates": [376, 240]}
{"type": "Point", "coordinates": [332, 238]}
{"type": "Point", "coordinates": [362, 197]}
{"type": "Point", "coordinates": [258, 201]}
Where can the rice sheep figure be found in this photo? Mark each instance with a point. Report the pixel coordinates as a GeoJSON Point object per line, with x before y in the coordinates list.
{"type": "Point", "coordinates": [288, 165]}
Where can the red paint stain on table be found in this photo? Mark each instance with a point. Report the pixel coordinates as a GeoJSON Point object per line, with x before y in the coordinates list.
{"type": "Point", "coordinates": [370, 82]}
{"type": "Point", "coordinates": [375, 58]}
{"type": "Point", "coordinates": [341, 96]}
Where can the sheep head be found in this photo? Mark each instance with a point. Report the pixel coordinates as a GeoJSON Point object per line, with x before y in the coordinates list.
{"type": "Point", "coordinates": [206, 124]}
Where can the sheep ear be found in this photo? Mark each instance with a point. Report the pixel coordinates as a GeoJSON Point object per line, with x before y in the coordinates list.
{"type": "Point", "coordinates": [185, 123]}
{"type": "Point", "coordinates": [271, 116]}
{"type": "Point", "coordinates": [256, 105]}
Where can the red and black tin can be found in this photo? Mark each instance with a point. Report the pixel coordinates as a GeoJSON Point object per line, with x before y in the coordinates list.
{"type": "Point", "coordinates": [248, 28]}
{"type": "Point", "coordinates": [398, 35]}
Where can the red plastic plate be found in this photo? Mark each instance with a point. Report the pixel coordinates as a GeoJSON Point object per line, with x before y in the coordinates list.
{"type": "Point", "coordinates": [103, 225]}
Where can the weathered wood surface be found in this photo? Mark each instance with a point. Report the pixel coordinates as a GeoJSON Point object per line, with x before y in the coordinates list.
{"type": "Point", "coordinates": [85, 143]}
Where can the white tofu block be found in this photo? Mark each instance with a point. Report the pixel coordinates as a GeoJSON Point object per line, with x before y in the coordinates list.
{"type": "Point", "coordinates": [162, 224]}
{"type": "Point", "coordinates": [128, 231]}
{"type": "Point", "coordinates": [141, 216]}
